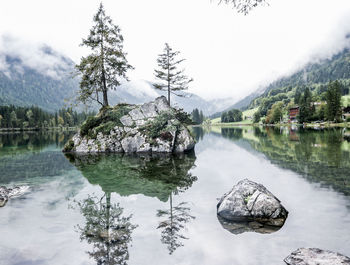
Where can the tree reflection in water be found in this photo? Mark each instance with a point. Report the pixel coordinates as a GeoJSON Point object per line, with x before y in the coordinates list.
{"type": "Point", "coordinates": [172, 226]}
{"type": "Point", "coordinates": [321, 156]}
{"type": "Point", "coordinates": [175, 218]}
{"type": "Point", "coordinates": [106, 229]}
{"type": "Point", "coordinates": [153, 175]}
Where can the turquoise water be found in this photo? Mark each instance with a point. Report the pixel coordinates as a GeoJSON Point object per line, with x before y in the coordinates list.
{"type": "Point", "coordinates": [161, 209]}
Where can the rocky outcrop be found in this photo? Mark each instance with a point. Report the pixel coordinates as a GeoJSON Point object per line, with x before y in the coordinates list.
{"type": "Point", "coordinates": [6, 193]}
{"type": "Point", "coordinates": [151, 127]}
{"type": "Point", "coordinates": [315, 256]}
{"type": "Point", "coordinates": [249, 206]}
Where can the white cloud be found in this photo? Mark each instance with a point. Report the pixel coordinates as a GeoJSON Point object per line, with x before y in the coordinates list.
{"type": "Point", "coordinates": [33, 55]}
{"type": "Point", "coordinates": [227, 54]}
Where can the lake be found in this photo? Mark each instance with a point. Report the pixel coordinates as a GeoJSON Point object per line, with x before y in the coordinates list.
{"type": "Point", "coordinates": [161, 209]}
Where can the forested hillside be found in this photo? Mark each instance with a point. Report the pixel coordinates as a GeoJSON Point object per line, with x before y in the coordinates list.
{"type": "Point", "coordinates": [23, 85]}
{"type": "Point", "coordinates": [315, 76]}
{"type": "Point", "coordinates": [53, 87]}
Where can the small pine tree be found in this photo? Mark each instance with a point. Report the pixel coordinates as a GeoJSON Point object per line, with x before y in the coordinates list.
{"type": "Point", "coordinates": [171, 78]}
{"type": "Point", "coordinates": [107, 65]}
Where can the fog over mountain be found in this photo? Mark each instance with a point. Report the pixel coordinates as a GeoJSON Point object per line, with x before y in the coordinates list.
{"type": "Point", "coordinates": [36, 74]}
{"type": "Point", "coordinates": [227, 54]}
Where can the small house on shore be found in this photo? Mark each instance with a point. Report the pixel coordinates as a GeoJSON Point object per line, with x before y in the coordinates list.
{"type": "Point", "coordinates": [293, 113]}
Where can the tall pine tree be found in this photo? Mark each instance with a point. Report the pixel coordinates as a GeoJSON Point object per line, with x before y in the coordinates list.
{"type": "Point", "coordinates": [107, 65]}
{"type": "Point", "coordinates": [171, 78]}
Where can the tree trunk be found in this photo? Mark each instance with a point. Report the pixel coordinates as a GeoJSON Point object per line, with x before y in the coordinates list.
{"type": "Point", "coordinates": [104, 90]}
{"type": "Point", "coordinates": [103, 77]}
{"type": "Point", "coordinates": [168, 78]}
{"type": "Point", "coordinates": [108, 205]}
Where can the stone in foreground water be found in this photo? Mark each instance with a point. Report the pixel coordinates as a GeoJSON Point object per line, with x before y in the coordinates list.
{"type": "Point", "coordinates": [6, 193]}
{"type": "Point", "coordinates": [249, 206]}
{"type": "Point", "coordinates": [315, 256]}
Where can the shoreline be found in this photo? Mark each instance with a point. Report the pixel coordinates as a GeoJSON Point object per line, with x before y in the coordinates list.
{"type": "Point", "coordinates": [34, 129]}
{"type": "Point", "coordinates": [305, 125]}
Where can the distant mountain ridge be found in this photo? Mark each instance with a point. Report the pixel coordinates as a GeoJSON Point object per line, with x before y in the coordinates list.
{"type": "Point", "coordinates": [141, 91]}
{"type": "Point", "coordinates": [44, 78]}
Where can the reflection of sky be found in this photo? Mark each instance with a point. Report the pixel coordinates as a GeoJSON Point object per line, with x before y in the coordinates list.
{"type": "Point", "coordinates": [39, 229]}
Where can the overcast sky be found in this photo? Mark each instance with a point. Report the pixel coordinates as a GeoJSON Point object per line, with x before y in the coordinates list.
{"type": "Point", "coordinates": [228, 54]}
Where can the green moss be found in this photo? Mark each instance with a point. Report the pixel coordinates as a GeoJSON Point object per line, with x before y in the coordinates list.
{"type": "Point", "coordinates": [246, 199]}
{"type": "Point", "coordinates": [183, 117]}
{"type": "Point", "coordinates": [154, 128]}
{"type": "Point", "coordinates": [105, 128]}
{"type": "Point", "coordinates": [68, 146]}
{"type": "Point", "coordinates": [89, 124]}
{"type": "Point", "coordinates": [104, 121]}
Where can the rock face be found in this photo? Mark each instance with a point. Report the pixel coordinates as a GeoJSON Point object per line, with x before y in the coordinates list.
{"type": "Point", "coordinates": [249, 206]}
{"type": "Point", "coordinates": [151, 127]}
{"type": "Point", "coordinates": [6, 193]}
{"type": "Point", "coordinates": [315, 256]}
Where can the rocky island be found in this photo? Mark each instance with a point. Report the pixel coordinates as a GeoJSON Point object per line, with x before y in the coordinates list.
{"type": "Point", "coordinates": [125, 128]}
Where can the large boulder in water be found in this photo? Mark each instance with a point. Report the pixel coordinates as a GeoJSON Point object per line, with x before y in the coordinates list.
{"type": "Point", "coordinates": [249, 206]}
{"type": "Point", "coordinates": [125, 128]}
{"type": "Point", "coordinates": [315, 256]}
{"type": "Point", "coordinates": [6, 193]}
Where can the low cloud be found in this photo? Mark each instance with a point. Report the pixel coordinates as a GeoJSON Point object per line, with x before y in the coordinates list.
{"type": "Point", "coordinates": [36, 56]}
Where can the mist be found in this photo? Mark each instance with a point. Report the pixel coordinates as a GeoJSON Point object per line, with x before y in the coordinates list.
{"type": "Point", "coordinates": [33, 55]}
{"type": "Point", "coordinates": [229, 55]}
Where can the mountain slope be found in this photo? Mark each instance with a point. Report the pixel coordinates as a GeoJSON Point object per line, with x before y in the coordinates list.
{"type": "Point", "coordinates": [314, 75]}
{"type": "Point", "coordinates": [23, 84]}
{"type": "Point", "coordinates": [141, 91]}
{"type": "Point", "coordinates": [40, 76]}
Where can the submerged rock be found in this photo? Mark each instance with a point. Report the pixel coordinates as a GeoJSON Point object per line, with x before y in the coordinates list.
{"type": "Point", "coordinates": [151, 127]}
{"type": "Point", "coordinates": [241, 227]}
{"type": "Point", "coordinates": [6, 193]}
{"type": "Point", "coordinates": [249, 206]}
{"type": "Point", "coordinates": [315, 256]}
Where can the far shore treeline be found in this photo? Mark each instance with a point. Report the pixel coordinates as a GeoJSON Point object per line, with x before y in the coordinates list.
{"type": "Point", "coordinates": [13, 117]}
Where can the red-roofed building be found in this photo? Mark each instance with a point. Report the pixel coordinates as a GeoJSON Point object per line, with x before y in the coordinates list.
{"type": "Point", "coordinates": [293, 113]}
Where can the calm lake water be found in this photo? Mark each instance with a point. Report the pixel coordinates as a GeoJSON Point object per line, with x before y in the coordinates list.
{"type": "Point", "coordinates": [118, 209]}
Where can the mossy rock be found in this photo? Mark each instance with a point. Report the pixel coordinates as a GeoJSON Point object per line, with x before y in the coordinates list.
{"type": "Point", "coordinates": [69, 146]}
{"type": "Point", "coordinates": [105, 120]}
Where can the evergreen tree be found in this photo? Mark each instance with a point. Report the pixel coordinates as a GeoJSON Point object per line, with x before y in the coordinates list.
{"type": "Point", "coordinates": [333, 98]}
{"type": "Point", "coordinates": [13, 119]}
{"type": "Point", "coordinates": [233, 115]}
{"type": "Point", "coordinates": [171, 78]}
{"type": "Point", "coordinates": [195, 116]}
{"type": "Point", "coordinates": [107, 65]}
{"type": "Point", "coordinates": [201, 117]}
{"type": "Point", "coordinates": [297, 96]}
{"type": "Point", "coordinates": [305, 106]}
